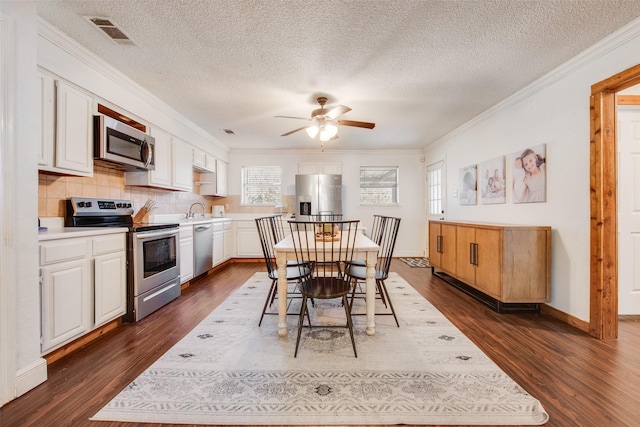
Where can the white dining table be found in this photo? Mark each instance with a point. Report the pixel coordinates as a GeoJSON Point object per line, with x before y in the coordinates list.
{"type": "Point", "coordinates": [365, 249]}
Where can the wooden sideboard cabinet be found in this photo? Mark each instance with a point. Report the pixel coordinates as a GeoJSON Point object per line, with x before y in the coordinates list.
{"type": "Point", "coordinates": [509, 264]}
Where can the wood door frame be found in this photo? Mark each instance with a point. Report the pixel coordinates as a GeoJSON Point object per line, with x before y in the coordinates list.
{"type": "Point", "coordinates": [603, 312]}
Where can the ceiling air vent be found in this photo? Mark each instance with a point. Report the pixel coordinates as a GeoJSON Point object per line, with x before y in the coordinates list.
{"type": "Point", "coordinates": [111, 30]}
{"type": "Point", "coordinates": [229, 131]}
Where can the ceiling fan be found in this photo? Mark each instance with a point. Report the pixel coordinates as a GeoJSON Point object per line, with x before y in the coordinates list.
{"type": "Point", "coordinates": [324, 121]}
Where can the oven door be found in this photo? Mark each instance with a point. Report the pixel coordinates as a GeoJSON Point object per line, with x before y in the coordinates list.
{"type": "Point", "coordinates": [156, 259]}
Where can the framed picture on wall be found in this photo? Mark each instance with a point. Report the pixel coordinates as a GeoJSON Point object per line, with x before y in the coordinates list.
{"type": "Point", "coordinates": [468, 186]}
{"type": "Point", "coordinates": [529, 175]}
{"type": "Point", "coordinates": [492, 181]}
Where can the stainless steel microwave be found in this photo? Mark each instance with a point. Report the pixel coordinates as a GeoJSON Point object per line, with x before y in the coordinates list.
{"type": "Point", "coordinates": [121, 145]}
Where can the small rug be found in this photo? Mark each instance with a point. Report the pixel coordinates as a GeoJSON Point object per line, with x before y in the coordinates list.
{"type": "Point", "coordinates": [416, 262]}
{"type": "Point", "coordinates": [229, 371]}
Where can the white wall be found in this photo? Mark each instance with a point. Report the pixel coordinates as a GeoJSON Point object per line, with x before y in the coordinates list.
{"type": "Point", "coordinates": [20, 300]}
{"type": "Point", "coordinates": [552, 111]}
{"type": "Point", "coordinates": [412, 232]}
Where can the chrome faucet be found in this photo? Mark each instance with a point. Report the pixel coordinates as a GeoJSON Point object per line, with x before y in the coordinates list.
{"type": "Point", "coordinates": [193, 215]}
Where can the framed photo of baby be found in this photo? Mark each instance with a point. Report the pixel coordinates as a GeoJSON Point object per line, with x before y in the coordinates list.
{"type": "Point", "coordinates": [468, 185]}
{"type": "Point", "coordinates": [529, 175]}
{"type": "Point", "coordinates": [492, 183]}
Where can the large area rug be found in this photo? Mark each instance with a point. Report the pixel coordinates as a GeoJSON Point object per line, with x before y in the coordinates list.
{"type": "Point", "coordinates": [229, 371]}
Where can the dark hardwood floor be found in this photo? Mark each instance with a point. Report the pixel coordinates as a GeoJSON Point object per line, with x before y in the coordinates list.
{"type": "Point", "coordinates": [580, 381]}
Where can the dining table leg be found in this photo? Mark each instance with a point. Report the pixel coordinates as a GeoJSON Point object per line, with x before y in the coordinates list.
{"type": "Point", "coordinates": [370, 291]}
{"type": "Point", "coordinates": [281, 261]}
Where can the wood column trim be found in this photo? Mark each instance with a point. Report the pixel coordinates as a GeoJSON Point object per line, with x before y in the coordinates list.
{"type": "Point", "coordinates": [603, 249]}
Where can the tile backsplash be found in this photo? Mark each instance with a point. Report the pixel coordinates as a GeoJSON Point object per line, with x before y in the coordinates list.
{"type": "Point", "coordinates": [53, 190]}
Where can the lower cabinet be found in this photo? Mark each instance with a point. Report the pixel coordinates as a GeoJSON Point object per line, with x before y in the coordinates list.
{"type": "Point", "coordinates": [247, 239]}
{"type": "Point", "coordinates": [228, 241]}
{"type": "Point", "coordinates": [509, 263]}
{"type": "Point", "coordinates": [218, 243]}
{"type": "Point", "coordinates": [186, 253]}
{"type": "Point", "coordinates": [83, 286]}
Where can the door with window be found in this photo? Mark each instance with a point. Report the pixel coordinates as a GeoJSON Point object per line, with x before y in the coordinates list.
{"type": "Point", "coordinates": [435, 194]}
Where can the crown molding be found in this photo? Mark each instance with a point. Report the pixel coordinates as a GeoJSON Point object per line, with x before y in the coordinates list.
{"type": "Point", "coordinates": [591, 54]}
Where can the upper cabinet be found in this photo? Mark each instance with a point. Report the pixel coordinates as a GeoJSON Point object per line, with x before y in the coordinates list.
{"type": "Point", "coordinates": [221, 177]}
{"type": "Point", "coordinates": [66, 128]}
{"type": "Point", "coordinates": [173, 169]}
{"type": "Point", "coordinates": [182, 165]}
{"type": "Point", "coordinates": [203, 161]}
{"type": "Point", "coordinates": [315, 168]}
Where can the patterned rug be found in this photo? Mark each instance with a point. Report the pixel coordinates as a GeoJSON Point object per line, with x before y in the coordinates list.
{"type": "Point", "coordinates": [416, 262]}
{"type": "Point", "coordinates": [229, 371]}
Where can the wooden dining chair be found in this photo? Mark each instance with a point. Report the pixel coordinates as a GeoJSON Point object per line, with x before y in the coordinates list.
{"type": "Point", "coordinates": [324, 245]}
{"type": "Point", "coordinates": [386, 235]}
{"type": "Point", "coordinates": [269, 236]}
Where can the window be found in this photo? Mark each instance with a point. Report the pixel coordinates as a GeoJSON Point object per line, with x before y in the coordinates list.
{"type": "Point", "coordinates": [261, 185]}
{"type": "Point", "coordinates": [434, 189]}
{"type": "Point", "coordinates": [378, 185]}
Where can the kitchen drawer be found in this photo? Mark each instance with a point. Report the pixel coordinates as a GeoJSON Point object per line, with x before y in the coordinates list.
{"type": "Point", "coordinates": [54, 251]}
{"type": "Point", "coordinates": [218, 226]}
{"type": "Point", "coordinates": [228, 225]}
{"type": "Point", "coordinates": [108, 244]}
{"type": "Point", "coordinates": [186, 231]}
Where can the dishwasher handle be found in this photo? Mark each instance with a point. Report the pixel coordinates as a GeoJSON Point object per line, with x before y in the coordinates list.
{"type": "Point", "coordinates": [201, 227]}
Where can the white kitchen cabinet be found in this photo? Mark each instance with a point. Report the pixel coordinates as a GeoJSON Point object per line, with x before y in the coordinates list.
{"type": "Point", "coordinates": [218, 243]}
{"type": "Point", "coordinates": [110, 277]}
{"type": "Point", "coordinates": [65, 128]}
{"type": "Point", "coordinates": [173, 164]}
{"type": "Point", "coordinates": [203, 161]}
{"type": "Point", "coordinates": [221, 177]}
{"type": "Point", "coordinates": [247, 239]}
{"type": "Point", "coordinates": [315, 168]}
{"type": "Point", "coordinates": [161, 176]}
{"type": "Point", "coordinates": [214, 184]}
{"type": "Point", "coordinates": [47, 127]}
{"type": "Point", "coordinates": [65, 280]}
{"type": "Point", "coordinates": [228, 240]}
{"type": "Point", "coordinates": [83, 286]}
{"type": "Point", "coordinates": [186, 253]}
{"type": "Point", "coordinates": [182, 165]}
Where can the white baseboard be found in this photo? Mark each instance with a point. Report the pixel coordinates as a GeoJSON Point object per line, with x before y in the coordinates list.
{"type": "Point", "coordinates": [31, 376]}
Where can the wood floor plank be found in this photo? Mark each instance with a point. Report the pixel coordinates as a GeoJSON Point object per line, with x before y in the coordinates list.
{"type": "Point", "coordinates": [580, 381]}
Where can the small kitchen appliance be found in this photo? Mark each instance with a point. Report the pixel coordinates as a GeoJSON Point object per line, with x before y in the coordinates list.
{"type": "Point", "coordinates": [153, 257]}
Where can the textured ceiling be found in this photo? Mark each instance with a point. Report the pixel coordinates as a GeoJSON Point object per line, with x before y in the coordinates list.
{"type": "Point", "coordinates": [418, 69]}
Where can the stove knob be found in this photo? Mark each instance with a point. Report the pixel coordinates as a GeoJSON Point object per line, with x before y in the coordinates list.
{"type": "Point", "coordinates": [88, 204]}
{"type": "Point", "coordinates": [128, 205]}
{"type": "Point", "coordinates": [119, 205]}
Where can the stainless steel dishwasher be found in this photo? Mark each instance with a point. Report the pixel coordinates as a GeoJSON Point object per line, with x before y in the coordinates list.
{"type": "Point", "coordinates": [202, 248]}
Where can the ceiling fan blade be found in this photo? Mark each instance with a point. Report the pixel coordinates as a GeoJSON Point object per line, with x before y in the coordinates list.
{"type": "Point", "coordinates": [294, 131]}
{"type": "Point", "coordinates": [354, 123]}
{"type": "Point", "coordinates": [337, 112]}
{"type": "Point", "coordinates": [292, 117]}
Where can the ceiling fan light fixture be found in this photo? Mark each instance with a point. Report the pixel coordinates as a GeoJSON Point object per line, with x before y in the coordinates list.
{"type": "Point", "coordinates": [328, 132]}
{"type": "Point", "coordinates": [312, 131]}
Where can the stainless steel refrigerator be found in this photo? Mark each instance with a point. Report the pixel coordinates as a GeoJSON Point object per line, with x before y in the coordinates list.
{"type": "Point", "coordinates": [318, 195]}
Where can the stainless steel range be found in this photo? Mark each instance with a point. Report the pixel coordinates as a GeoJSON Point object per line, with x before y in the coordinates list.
{"type": "Point", "coordinates": [153, 257]}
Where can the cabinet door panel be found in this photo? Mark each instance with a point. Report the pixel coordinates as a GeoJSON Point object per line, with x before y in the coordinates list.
{"type": "Point", "coordinates": [465, 270]}
{"type": "Point", "coordinates": [161, 175]}
{"type": "Point", "coordinates": [110, 287]}
{"type": "Point", "coordinates": [489, 261]}
{"type": "Point", "coordinates": [74, 130]}
{"type": "Point", "coordinates": [434, 238]}
{"type": "Point", "coordinates": [66, 302]}
{"type": "Point", "coordinates": [448, 246]}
